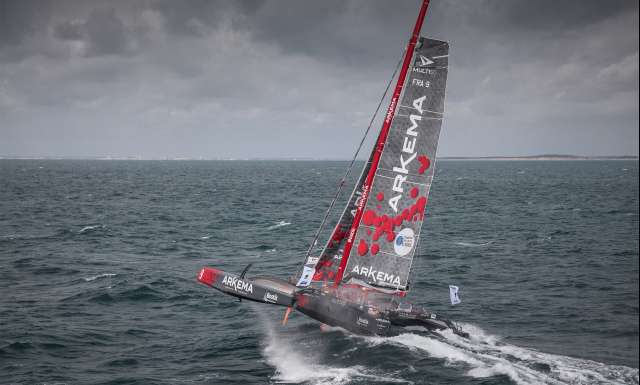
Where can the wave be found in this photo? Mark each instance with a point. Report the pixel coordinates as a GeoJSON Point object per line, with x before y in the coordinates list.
{"type": "Point", "coordinates": [279, 224]}
{"type": "Point", "coordinates": [93, 278]}
{"type": "Point", "coordinates": [90, 228]}
{"type": "Point", "coordinates": [487, 356]}
{"type": "Point", "coordinates": [205, 237]}
{"type": "Point", "coordinates": [468, 244]}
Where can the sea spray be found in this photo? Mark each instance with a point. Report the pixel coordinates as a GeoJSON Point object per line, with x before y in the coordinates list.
{"type": "Point", "coordinates": [293, 365]}
{"type": "Point", "coordinates": [290, 364]}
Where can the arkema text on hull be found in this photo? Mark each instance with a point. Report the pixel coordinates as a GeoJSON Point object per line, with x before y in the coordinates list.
{"type": "Point", "coordinates": [359, 280]}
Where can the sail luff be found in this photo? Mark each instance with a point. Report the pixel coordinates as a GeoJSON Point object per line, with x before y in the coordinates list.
{"type": "Point", "coordinates": [408, 55]}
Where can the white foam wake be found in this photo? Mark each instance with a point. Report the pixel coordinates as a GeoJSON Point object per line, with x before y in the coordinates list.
{"type": "Point", "coordinates": [484, 355]}
{"type": "Point", "coordinates": [292, 365]}
{"type": "Point", "coordinates": [105, 275]}
{"type": "Point", "coordinates": [279, 224]}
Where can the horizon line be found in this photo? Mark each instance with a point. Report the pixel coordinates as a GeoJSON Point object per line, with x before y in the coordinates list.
{"type": "Point", "coordinates": [294, 158]}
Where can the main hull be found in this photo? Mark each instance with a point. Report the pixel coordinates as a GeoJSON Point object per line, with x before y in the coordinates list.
{"type": "Point", "coordinates": [355, 309]}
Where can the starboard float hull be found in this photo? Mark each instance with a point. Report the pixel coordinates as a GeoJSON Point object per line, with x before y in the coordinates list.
{"type": "Point", "coordinates": [326, 306]}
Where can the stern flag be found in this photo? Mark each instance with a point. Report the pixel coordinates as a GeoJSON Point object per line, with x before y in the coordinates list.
{"type": "Point", "coordinates": [453, 294]}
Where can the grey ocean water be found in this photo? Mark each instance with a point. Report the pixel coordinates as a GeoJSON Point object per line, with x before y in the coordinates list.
{"type": "Point", "coordinates": [98, 262]}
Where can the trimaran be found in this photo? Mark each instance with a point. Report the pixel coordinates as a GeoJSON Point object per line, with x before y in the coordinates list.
{"type": "Point", "coordinates": [360, 279]}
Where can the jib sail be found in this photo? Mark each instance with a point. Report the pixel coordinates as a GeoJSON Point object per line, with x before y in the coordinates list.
{"type": "Point", "coordinates": [389, 227]}
{"type": "Point", "coordinates": [324, 267]}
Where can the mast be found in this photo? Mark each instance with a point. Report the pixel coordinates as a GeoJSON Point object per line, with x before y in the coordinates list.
{"type": "Point", "coordinates": [382, 138]}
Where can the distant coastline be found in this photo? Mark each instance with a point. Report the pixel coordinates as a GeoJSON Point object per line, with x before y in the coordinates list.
{"type": "Point", "coordinates": [516, 157]}
{"type": "Point", "coordinates": [544, 157]}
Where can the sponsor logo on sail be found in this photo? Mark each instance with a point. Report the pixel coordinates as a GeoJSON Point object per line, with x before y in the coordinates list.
{"type": "Point", "coordinates": [375, 275]}
{"type": "Point", "coordinates": [403, 244]}
{"type": "Point", "coordinates": [237, 284]}
{"type": "Point", "coordinates": [424, 61]}
{"type": "Point", "coordinates": [270, 297]}
{"type": "Point", "coordinates": [408, 147]}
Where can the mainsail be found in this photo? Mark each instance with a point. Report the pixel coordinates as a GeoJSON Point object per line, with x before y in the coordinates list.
{"type": "Point", "coordinates": [389, 228]}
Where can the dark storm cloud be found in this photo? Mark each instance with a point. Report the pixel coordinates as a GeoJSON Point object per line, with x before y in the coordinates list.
{"type": "Point", "coordinates": [103, 31]}
{"type": "Point", "coordinates": [286, 78]}
{"type": "Point", "coordinates": [19, 19]}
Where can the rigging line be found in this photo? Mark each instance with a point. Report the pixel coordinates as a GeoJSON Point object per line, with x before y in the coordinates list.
{"type": "Point", "coordinates": [348, 172]}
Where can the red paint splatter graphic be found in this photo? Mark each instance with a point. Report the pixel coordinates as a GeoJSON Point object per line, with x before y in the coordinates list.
{"type": "Point", "coordinates": [362, 247]}
{"type": "Point", "coordinates": [325, 269]}
{"type": "Point", "coordinates": [384, 226]}
{"type": "Point", "coordinates": [338, 235]}
{"type": "Point", "coordinates": [368, 217]}
{"type": "Point", "coordinates": [424, 164]}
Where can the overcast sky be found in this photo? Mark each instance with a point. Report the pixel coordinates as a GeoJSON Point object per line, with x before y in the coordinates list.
{"type": "Point", "coordinates": [300, 78]}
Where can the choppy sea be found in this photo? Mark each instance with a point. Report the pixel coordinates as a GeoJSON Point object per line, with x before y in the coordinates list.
{"type": "Point", "coordinates": [98, 262]}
